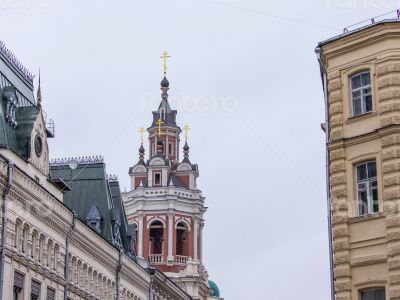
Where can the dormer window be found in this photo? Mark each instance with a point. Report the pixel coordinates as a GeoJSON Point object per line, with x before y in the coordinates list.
{"type": "Point", "coordinates": [361, 93]}
{"type": "Point", "coordinates": [93, 218]}
{"type": "Point", "coordinates": [157, 178]}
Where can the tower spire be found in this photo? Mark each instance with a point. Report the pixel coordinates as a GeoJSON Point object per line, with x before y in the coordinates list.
{"type": "Point", "coordinates": [39, 92]}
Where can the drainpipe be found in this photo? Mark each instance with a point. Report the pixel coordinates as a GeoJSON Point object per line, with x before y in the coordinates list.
{"type": "Point", "coordinates": [119, 274]}
{"type": "Point", "coordinates": [324, 78]}
{"type": "Point", "coordinates": [4, 222]}
{"type": "Point", "coordinates": [66, 260]}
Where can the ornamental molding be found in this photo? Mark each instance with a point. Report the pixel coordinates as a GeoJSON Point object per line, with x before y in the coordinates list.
{"type": "Point", "coordinates": [112, 178]}
{"type": "Point", "coordinates": [183, 220]}
{"type": "Point", "coordinates": [84, 160]}
{"type": "Point", "coordinates": [13, 60]}
{"type": "Point", "coordinates": [152, 219]}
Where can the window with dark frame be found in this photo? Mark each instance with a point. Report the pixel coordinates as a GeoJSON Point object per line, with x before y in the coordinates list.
{"type": "Point", "coordinates": [373, 294]}
{"type": "Point", "coordinates": [367, 188]}
{"type": "Point", "coordinates": [157, 178]}
{"type": "Point", "coordinates": [51, 294]}
{"type": "Point", "coordinates": [18, 286]}
{"type": "Point", "coordinates": [35, 290]}
{"type": "Point", "coordinates": [361, 95]}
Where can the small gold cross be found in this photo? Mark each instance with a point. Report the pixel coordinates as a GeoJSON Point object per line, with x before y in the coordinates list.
{"type": "Point", "coordinates": [141, 131]}
{"type": "Point", "coordinates": [159, 122]}
{"type": "Point", "coordinates": [186, 129]}
{"type": "Point", "coordinates": [164, 56]}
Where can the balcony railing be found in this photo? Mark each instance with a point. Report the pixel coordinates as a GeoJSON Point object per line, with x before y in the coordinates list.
{"type": "Point", "coordinates": [182, 260]}
{"type": "Point", "coordinates": [156, 258]}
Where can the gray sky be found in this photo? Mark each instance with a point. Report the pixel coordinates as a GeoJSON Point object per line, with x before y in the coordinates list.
{"type": "Point", "coordinates": [243, 75]}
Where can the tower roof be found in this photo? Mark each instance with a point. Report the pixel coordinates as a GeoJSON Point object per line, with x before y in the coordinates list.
{"type": "Point", "coordinates": [164, 112]}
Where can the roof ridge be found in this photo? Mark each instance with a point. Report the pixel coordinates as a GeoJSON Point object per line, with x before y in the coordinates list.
{"type": "Point", "coordinates": [13, 60]}
{"type": "Point", "coordinates": [87, 160]}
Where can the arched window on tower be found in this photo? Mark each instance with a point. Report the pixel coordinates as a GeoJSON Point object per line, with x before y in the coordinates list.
{"type": "Point", "coordinates": [182, 242]}
{"type": "Point", "coordinates": [156, 238]}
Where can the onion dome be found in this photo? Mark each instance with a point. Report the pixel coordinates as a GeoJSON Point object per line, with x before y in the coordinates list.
{"type": "Point", "coordinates": [186, 147]}
{"type": "Point", "coordinates": [214, 289]}
{"type": "Point", "coordinates": [141, 149]}
{"type": "Point", "coordinates": [165, 82]}
{"type": "Point", "coordinates": [186, 153]}
{"type": "Point", "coordinates": [141, 155]}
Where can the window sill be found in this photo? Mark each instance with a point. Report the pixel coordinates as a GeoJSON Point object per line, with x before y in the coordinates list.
{"type": "Point", "coordinates": [361, 117]}
{"type": "Point", "coordinates": [367, 217]}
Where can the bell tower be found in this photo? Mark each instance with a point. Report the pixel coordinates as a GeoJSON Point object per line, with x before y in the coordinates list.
{"type": "Point", "coordinates": [165, 204]}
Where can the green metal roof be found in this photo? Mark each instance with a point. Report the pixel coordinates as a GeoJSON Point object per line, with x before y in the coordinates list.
{"type": "Point", "coordinates": [215, 290]}
{"type": "Point", "coordinates": [90, 187]}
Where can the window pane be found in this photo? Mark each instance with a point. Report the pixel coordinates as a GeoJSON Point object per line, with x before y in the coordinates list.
{"type": "Point", "coordinates": [365, 79]}
{"type": "Point", "coordinates": [362, 203]}
{"type": "Point", "coordinates": [361, 172]}
{"type": "Point", "coordinates": [371, 169]}
{"type": "Point", "coordinates": [375, 204]}
{"type": "Point", "coordinates": [362, 186]}
{"type": "Point", "coordinates": [357, 107]}
{"type": "Point", "coordinates": [367, 91]}
{"type": "Point", "coordinates": [368, 103]}
{"type": "Point", "coordinates": [355, 82]}
{"type": "Point", "coordinates": [356, 94]}
{"type": "Point", "coordinates": [375, 294]}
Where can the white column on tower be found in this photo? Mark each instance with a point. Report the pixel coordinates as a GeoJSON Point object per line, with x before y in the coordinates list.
{"type": "Point", "coordinates": [195, 238]}
{"type": "Point", "coordinates": [171, 215]}
{"type": "Point", "coordinates": [167, 146]}
{"type": "Point", "coordinates": [140, 236]}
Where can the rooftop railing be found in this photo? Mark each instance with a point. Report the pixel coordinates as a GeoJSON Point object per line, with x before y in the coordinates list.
{"type": "Point", "coordinates": [393, 15]}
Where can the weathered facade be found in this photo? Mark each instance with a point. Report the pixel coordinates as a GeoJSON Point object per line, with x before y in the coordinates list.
{"type": "Point", "coordinates": [64, 230]}
{"type": "Point", "coordinates": [361, 76]}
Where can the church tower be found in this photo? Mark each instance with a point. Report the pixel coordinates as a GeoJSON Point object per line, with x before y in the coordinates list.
{"type": "Point", "coordinates": [165, 204]}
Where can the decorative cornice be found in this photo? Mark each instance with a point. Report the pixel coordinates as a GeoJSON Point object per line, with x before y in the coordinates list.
{"type": "Point", "coordinates": [112, 177]}
{"type": "Point", "coordinates": [13, 60]}
{"type": "Point", "coordinates": [84, 160]}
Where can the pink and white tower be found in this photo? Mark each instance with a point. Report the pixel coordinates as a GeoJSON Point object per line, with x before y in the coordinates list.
{"type": "Point", "coordinates": [166, 205]}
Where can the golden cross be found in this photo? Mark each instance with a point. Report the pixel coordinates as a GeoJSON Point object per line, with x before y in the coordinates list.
{"type": "Point", "coordinates": [186, 128]}
{"type": "Point", "coordinates": [141, 131]}
{"type": "Point", "coordinates": [164, 56]}
{"type": "Point", "coordinates": [159, 122]}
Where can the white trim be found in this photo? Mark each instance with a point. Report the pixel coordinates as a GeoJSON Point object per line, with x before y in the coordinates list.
{"type": "Point", "coordinates": [153, 219]}
{"type": "Point", "coordinates": [183, 221]}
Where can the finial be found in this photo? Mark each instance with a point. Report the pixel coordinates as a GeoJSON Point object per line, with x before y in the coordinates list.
{"type": "Point", "coordinates": [141, 131]}
{"type": "Point", "coordinates": [186, 153]}
{"type": "Point", "coordinates": [164, 56]}
{"type": "Point", "coordinates": [39, 92]}
{"type": "Point", "coordinates": [186, 129]}
{"type": "Point", "coordinates": [141, 154]}
{"type": "Point", "coordinates": [159, 123]}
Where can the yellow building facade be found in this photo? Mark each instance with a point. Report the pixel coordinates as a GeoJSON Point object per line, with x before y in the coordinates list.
{"type": "Point", "coordinates": [361, 77]}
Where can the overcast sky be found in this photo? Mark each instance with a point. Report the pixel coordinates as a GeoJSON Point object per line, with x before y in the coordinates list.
{"type": "Point", "coordinates": [243, 75]}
